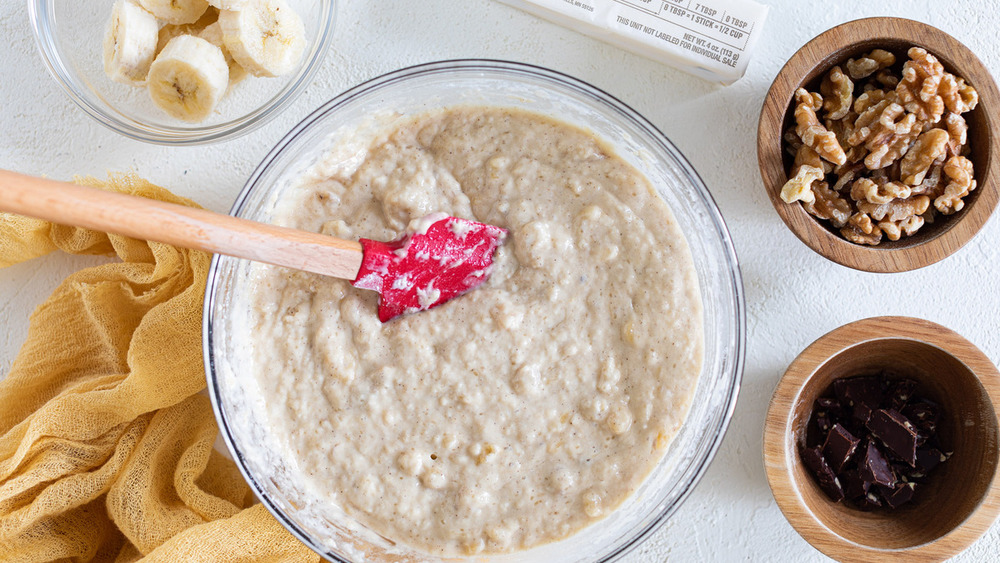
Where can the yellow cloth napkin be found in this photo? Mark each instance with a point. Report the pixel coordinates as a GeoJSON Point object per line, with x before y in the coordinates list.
{"type": "Point", "coordinates": [105, 444]}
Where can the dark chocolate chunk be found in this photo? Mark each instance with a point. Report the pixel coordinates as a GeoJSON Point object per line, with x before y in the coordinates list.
{"type": "Point", "coordinates": [823, 423]}
{"type": "Point", "coordinates": [929, 458]}
{"type": "Point", "coordinates": [868, 502]}
{"type": "Point", "coordinates": [826, 411]}
{"type": "Point", "coordinates": [923, 437]}
{"type": "Point", "coordinates": [894, 459]}
{"type": "Point", "coordinates": [861, 413]}
{"type": "Point", "coordinates": [923, 414]}
{"type": "Point", "coordinates": [900, 393]}
{"type": "Point", "coordinates": [853, 485]}
{"type": "Point", "coordinates": [874, 467]}
{"type": "Point", "coordinates": [897, 433]}
{"type": "Point", "coordinates": [828, 481]}
{"type": "Point", "coordinates": [865, 390]}
{"type": "Point", "coordinates": [876, 431]}
{"type": "Point", "coordinates": [899, 467]}
{"type": "Point", "coordinates": [828, 406]}
{"type": "Point", "coordinates": [899, 495]}
{"type": "Point", "coordinates": [860, 395]}
{"type": "Point", "coordinates": [813, 436]}
{"type": "Point", "coordinates": [839, 447]}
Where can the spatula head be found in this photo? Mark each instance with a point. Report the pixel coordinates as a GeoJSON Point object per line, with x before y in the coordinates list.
{"type": "Point", "coordinates": [442, 258]}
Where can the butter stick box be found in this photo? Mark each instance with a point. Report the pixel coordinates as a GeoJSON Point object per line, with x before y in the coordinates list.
{"type": "Point", "coordinates": [712, 39]}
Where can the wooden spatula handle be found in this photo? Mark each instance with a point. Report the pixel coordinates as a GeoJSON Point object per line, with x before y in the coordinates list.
{"type": "Point", "coordinates": [147, 219]}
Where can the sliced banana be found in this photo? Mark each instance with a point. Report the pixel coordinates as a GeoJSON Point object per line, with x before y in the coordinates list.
{"type": "Point", "coordinates": [171, 30]}
{"type": "Point", "coordinates": [213, 34]}
{"type": "Point", "coordinates": [176, 11]}
{"type": "Point", "coordinates": [266, 37]}
{"type": "Point", "coordinates": [129, 43]}
{"type": "Point", "coordinates": [229, 4]}
{"type": "Point", "coordinates": [188, 78]}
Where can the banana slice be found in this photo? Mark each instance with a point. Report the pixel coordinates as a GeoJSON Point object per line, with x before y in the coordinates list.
{"type": "Point", "coordinates": [229, 4]}
{"type": "Point", "coordinates": [213, 34]}
{"type": "Point", "coordinates": [188, 78]}
{"type": "Point", "coordinates": [176, 11]}
{"type": "Point", "coordinates": [266, 37]}
{"type": "Point", "coordinates": [129, 43]}
{"type": "Point", "coordinates": [171, 30]}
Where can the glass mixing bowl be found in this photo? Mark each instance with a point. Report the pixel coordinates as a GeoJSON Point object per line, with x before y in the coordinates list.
{"type": "Point", "coordinates": [70, 35]}
{"type": "Point", "coordinates": [416, 90]}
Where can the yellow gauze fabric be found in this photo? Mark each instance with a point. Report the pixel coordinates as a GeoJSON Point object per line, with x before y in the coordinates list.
{"type": "Point", "coordinates": [105, 443]}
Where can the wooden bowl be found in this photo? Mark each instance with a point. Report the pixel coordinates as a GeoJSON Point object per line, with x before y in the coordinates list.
{"type": "Point", "coordinates": [961, 498]}
{"type": "Point", "coordinates": [806, 69]}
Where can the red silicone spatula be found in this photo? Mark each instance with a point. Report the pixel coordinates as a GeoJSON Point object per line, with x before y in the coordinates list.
{"type": "Point", "coordinates": [443, 258]}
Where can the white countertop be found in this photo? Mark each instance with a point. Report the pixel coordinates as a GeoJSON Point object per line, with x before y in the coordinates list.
{"type": "Point", "coordinates": [793, 295]}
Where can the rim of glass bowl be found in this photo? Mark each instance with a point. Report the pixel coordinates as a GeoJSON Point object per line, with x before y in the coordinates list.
{"type": "Point", "coordinates": [700, 459]}
{"type": "Point", "coordinates": [41, 13]}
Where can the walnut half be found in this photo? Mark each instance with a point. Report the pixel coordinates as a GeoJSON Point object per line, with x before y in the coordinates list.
{"type": "Point", "coordinates": [874, 61]}
{"type": "Point", "coordinates": [799, 187]}
{"type": "Point", "coordinates": [827, 204]}
{"type": "Point", "coordinates": [959, 170]}
{"type": "Point", "coordinates": [812, 132]}
{"type": "Point", "coordinates": [928, 147]}
{"type": "Point", "coordinates": [838, 94]}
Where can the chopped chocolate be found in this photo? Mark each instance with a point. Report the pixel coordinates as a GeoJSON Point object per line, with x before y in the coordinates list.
{"type": "Point", "coordinates": [861, 413]}
{"type": "Point", "coordinates": [828, 406]}
{"type": "Point", "coordinates": [853, 485]}
{"type": "Point", "coordinates": [900, 468]}
{"type": "Point", "coordinates": [929, 458]}
{"type": "Point", "coordinates": [872, 440]}
{"type": "Point", "coordinates": [814, 437]}
{"type": "Point", "coordinates": [897, 433]}
{"type": "Point", "coordinates": [839, 447]}
{"type": "Point", "coordinates": [861, 395]}
{"type": "Point", "coordinates": [828, 481]}
{"type": "Point", "coordinates": [874, 467]}
{"type": "Point", "coordinates": [922, 437]}
{"type": "Point", "coordinates": [869, 502]}
{"type": "Point", "coordinates": [900, 393]}
{"type": "Point", "coordinates": [852, 391]}
{"type": "Point", "coordinates": [825, 410]}
{"type": "Point", "coordinates": [898, 495]}
{"type": "Point", "coordinates": [823, 423]}
{"type": "Point", "coordinates": [923, 414]}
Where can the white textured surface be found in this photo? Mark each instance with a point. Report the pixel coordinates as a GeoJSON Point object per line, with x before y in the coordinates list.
{"type": "Point", "coordinates": [793, 296]}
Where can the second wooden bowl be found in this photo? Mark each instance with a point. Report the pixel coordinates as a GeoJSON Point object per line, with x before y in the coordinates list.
{"type": "Point", "coordinates": [961, 498]}
{"type": "Point", "coordinates": [806, 69]}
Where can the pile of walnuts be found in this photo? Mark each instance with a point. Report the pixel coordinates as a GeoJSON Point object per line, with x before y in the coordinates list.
{"type": "Point", "coordinates": [878, 154]}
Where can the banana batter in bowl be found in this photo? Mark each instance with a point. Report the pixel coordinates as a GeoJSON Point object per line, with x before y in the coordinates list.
{"type": "Point", "coordinates": [514, 415]}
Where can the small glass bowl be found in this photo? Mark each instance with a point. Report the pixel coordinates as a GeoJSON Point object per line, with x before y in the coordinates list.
{"type": "Point", "coordinates": [70, 35]}
{"type": "Point", "coordinates": [413, 91]}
